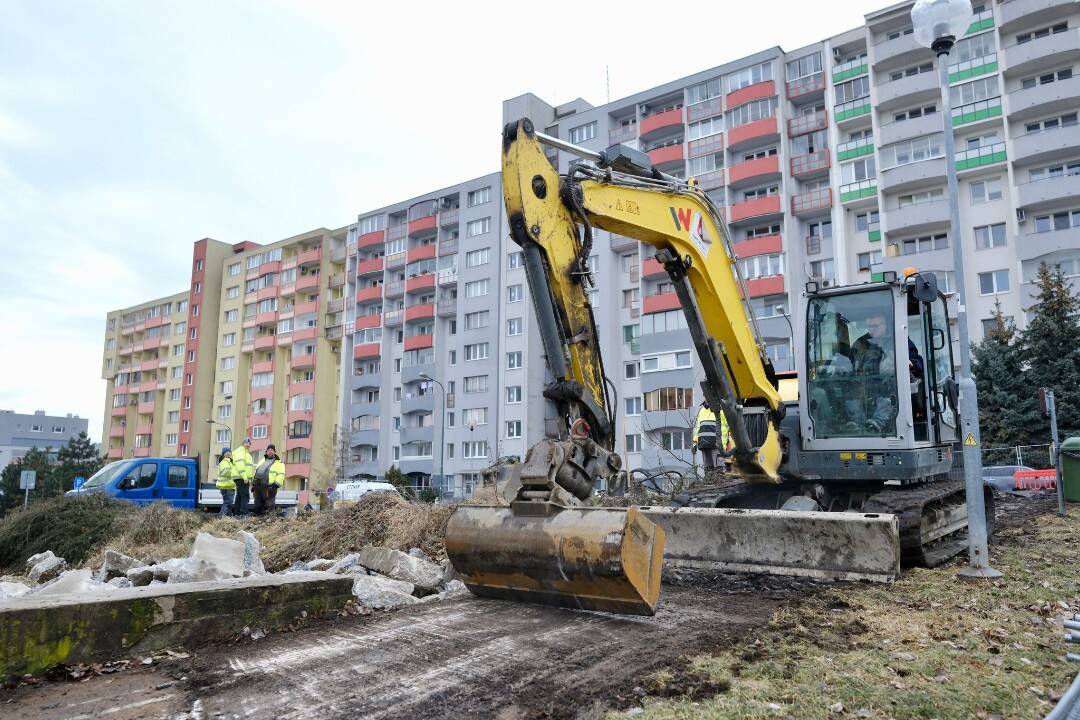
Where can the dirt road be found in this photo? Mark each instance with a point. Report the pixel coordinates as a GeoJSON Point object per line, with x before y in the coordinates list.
{"type": "Point", "coordinates": [467, 658]}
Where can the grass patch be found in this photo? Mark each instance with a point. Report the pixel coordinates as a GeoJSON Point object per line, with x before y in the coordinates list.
{"type": "Point", "coordinates": [927, 646]}
{"type": "Point", "coordinates": [70, 527]}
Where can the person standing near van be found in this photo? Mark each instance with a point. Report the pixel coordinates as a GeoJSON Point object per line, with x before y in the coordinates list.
{"type": "Point", "coordinates": [269, 477]}
{"type": "Point", "coordinates": [226, 482]}
{"type": "Point", "coordinates": [245, 471]}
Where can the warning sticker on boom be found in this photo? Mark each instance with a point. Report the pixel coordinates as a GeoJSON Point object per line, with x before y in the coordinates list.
{"type": "Point", "coordinates": [970, 440]}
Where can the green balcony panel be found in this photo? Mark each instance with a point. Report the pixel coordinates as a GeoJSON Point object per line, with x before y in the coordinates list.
{"type": "Point", "coordinates": [855, 152]}
{"type": "Point", "coordinates": [858, 194]}
{"type": "Point", "coordinates": [849, 73]}
{"type": "Point", "coordinates": [969, 163]}
{"type": "Point", "coordinates": [979, 25]}
{"type": "Point", "coordinates": [853, 112]}
{"type": "Point", "coordinates": [875, 236]}
{"type": "Point", "coordinates": [976, 71]}
{"type": "Point", "coordinates": [976, 116]}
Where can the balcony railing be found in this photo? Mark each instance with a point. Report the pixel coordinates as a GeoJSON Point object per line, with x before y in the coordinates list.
{"type": "Point", "coordinates": [623, 133]}
{"type": "Point", "coordinates": [973, 68]}
{"type": "Point", "coordinates": [393, 318]}
{"type": "Point", "coordinates": [852, 109]}
{"type": "Point", "coordinates": [395, 261]}
{"type": "Point", "coordinates": [976, 111]}
{"type": "Point", "coordinates": [855, 148]}
{"type": "Point", "coordinates": [812, 201]}
{"type": "Point", "coordinates": [335, 305]}
{"type": "Point", "coordinates": [711, 180]}
{"type": "Point", "coordinates": [858, 190]}
{"type": "Point", "coordinates": [808, 123]}
{"type": "Point", "coordinates": [704, 109]}
{"type": "Point", "coordinates": [985, 155]}
{"type": "Point", "coordinates": [397, 232]}
{"type": "Point", "coordinates": [805, 85]}
{"type": "Point", "coordinates": [449, 216]}
{"type": "Point", "coordinates": [813, 162]}
{"type": "Point", "coordinates": [337, 280]}
{"type": "Point", "coordinates": [448, 247]}
{"type": "Point", "coordinates": [333, 332]}
{"type": "Point", "coordinates": [848, 70]}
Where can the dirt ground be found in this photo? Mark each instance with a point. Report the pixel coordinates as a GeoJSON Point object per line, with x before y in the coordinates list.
{"type": "Point", "coordinates": [720, 646]}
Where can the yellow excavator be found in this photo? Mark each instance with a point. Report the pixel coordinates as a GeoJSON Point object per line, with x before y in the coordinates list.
{"type": "Point", "coordinates": [844, 482]}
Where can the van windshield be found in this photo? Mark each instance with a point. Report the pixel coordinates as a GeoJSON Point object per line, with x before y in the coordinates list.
{"type": "Point", "coordinates": [105, 474]}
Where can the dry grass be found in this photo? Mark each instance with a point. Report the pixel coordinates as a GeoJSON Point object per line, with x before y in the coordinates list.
{"type": "Point", "coordinates": [928, 646]}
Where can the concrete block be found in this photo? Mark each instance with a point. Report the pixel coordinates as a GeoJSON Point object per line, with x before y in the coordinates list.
{"type": "Point", "coordinates": [37, 632]}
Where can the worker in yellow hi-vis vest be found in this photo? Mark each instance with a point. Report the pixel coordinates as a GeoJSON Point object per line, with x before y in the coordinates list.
{"type": "Point", "coordinates": [710, 436]}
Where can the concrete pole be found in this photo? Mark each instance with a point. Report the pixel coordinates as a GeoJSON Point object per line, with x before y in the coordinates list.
{"type": "Point", "coordinates": [1051, 410]}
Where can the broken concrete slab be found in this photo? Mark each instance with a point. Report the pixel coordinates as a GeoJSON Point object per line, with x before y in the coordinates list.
{"type": "Point", "coordinates": [348, 564]}
{"type": "Point", "coordinates": [320, 564]}
{"type": "Point", "coordinates": [13, 589]}
{"type": "Point", "coordinates": [140, 575]}
{"type": "Point", "coordinates": [382, 593]}
{"type": "Point", "coordinates": [397, 565]}
{"type": "Point", "coordinates": [39, 631]}
{"type": "Point", "coordinates": [117, 564]}
{"type": "Point", "coordinates": [45, 566]}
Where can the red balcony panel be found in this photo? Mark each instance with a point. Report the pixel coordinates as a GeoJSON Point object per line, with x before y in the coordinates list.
{"type": "Point", "coordinates": [306, 308]}
{"type": "Point", "coordinates": [420, 282]}
{"type": "Point", "coordinates": [309, 256]}
{"type": "Point", "coordinates": [307, 282]}
{"type": "Point", "coordinates": [666, 154]}
{"type": "Point", "coordinates": [264, 342]}
{"type": "Point", "coordinates": [127, 330]}
{"type": "Point", "coordinates": [371, 239]}
{"type": "Point", "coordinates": [751, 92]}
{"type": "Point", "coordinates": [116, 431]}
{"type": "Point", "coordinates": [266, 419]}
{"type": "Point", "coordinates": [759, 246]}
{"type": "Point", "coordinates": [753, 208]}
{"type": "Point", "coordinates": [152, 322]}
{"type": "Point", "coordinates": [141, 452]}
{"type": "Point", "coordinates": [661, 120]}
{"type": "Point", "coordinates": [116, 453]}
{"type": "Point", "coordinates": [294, 415]}
{"type": "Point", "coordinates": [138, 347]}
{"type": "Point", "coordinates": [266, 318]}
{"type": "Point", "coordinates": [119, 411]}
{"type": "Point", "coordinates": [759, 287]}
{"type": "Point", "coordinates": [300, 442]}
{"type": "Point", "coordinates": [373, 265]}
{"type": "Point", "coordinates": [148, 364]}
{"type": "Point", "coordinates": [650, 267]}
{"type": "Point", "coordinates": [266, 392]}
{"type": "Point", "coordinates": [146, 408]}
{"type": "Point", "coordinates": [423, 224]}
{"type": "Point", "coordinates": [808, 123]}
{"type": "Point", "coordinates": [753, 168]}
{"type": "Point", "coordinates": [144, 429]}
{"type": "Point", "coordinates": [305, 333]}
{"type": "Point", "coordinates": [267, 292]}
{"type": "Point", "coordinates": [424, 252]}
{"type": "Point", "coordinates": [148, 386]}
{"type": "Point", "coordinates": [263, 367]}
{"type": "Point", "coordinates": [258, 445]}
{"type": "Point", "coordinates": [298, 470]}
{"type": "Point", "coordinates": [811, 163]}
{"type": "Point", "coordinates": [140, 326]}
{"type": "Point", "coordinates": [751, 130]}
{"type": "Point", "coordinates": [419, 342]}
{"type": "Point", "coordinates": [369, 293]}
{"type": "Point", "coordinates": [660, 303]}
{"type": "Point", "coordinates": [302, 360]}
{"type": "Point", "coordinates": [367, 350]}
{"type": "Point", "coordinates": [419, 312]}
{"type": "Point", "coordinates": [368, 321]}
{"type": "Point", "coordinates": [151, 343]}
{"type": "Point", "coordinates": [307, 387]}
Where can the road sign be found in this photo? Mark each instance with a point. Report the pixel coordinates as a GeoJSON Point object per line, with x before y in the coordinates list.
{"type": "Point", "coordinates": [78, 482]}
{"type": "Point", "coordinates": [27, 479]}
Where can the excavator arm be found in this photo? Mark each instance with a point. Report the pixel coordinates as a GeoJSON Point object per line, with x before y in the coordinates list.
{"type": "Point", "coordinates": [553, 219]}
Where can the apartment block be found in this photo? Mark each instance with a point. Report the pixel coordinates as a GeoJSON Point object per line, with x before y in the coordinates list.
{"type": "Point", "coordinates": [19, 432]}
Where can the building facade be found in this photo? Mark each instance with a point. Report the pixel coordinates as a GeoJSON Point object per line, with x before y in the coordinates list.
{"type": "Point", "coordinates": [827, 162]}
{"type": "Point", "coordinates": [19, 432]}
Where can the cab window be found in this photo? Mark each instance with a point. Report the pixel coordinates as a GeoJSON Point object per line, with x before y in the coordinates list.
{"type": "Point", "coordinates": [141, 477]}
{"type": "Point", "coordinates": [178, 476]}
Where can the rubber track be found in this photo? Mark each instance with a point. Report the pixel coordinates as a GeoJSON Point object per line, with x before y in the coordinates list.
{"type": "Point", "coordinates": [909, 504]}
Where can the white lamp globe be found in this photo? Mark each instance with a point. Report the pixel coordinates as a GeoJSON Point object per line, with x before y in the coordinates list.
{"type": "Point", "coordinates": [936, 19]}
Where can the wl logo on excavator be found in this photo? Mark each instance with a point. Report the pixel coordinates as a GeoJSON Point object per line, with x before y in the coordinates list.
{"type": "Point", "coordinates": [691, 221]}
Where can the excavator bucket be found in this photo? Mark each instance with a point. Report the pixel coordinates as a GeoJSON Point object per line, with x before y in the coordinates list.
{"type": "Point", "coordinates": [582, 558]}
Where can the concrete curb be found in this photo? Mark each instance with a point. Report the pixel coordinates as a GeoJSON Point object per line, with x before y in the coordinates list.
{"type": "Point", "coordinates": [37, 632]}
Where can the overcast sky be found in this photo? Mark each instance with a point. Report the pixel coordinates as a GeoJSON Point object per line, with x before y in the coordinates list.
{"type": "Point", "coordinates": [128, 130]}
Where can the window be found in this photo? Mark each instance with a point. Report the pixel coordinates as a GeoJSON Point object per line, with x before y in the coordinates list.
{"type": "Point", "coordinates": [474, 258]}
{"type": "Point", "coordinates": [1046, 78]}
{"type": "Point", "coordinates": [258, 431]}
{"type": "Point", "coordinates": [476, 288]}
{"type": "Point", "coordinates": [477, 351]}
{"type": "Point", "coordinates": [763, 231]}
{"type": "Point", "coordinates": [179, 328]}
{"type": "Point", "coordinates": [994, 283]}
{"type": "Point", "coordinates": [476, 383]}
{"type": "Point", "coordinates": [170, 439]}
{"type": "Point", "coordinates": [632, 405]}
{"type": "Point", "coordinates": [762, 266]}
{"type": "Point", "coordinates": [478, 227]}
{"type": "Point", "coordinates": [759, 193]}
{"type": "Point", "coordinates": [370, 224]}
{"type": "Point", "coordinates": [474, 416]}
{"type": "Point", "coordinates": [513, 327]}
{"type": "Point", "coordinates": [804, 66]}
{"type": "Point", "coordinates": [630, 298]}
{"type": "Point", "coordinates": [669, 398]}
{"type": "Point", "coordinates": [187, 402]}
{"type": "Point", "coordinates": [228, 363]}
{"type": "Point", "coordinates": [1041, 33]}
{"type": "Point", "coordinates": [226, 386]}
{"type": "Point", "coordinates": [852, 89]}
{"type": "Point", "coordinates": [513, 360]}
{"type": "Point", "coordinates": [452, 357]}
{"type": "Point", "coordinates": [749, 76]}
{"type": "Point", "coordinates": [1067, 120]}
{"type": "Point", "coordinates": [474, 449]}
{"type": "Point", "coordinates": [222, 435]}
{"type": "Point", "coordinates": [1057, 221]}
{"type": "Point", "coordinates": [910, 151]}
{"type": "Point", "coordinates": [232, 316]}
{"type": "Point", "coordinates": [264, 379]}
{"type": "Point", "coordinates": [897, 34]}
{"type": "Point", "coordinates": [914, 246]}
{"type": "Point", "coordinates": [675, 440]}
{"type": "Point", "coordinates": [177, 372]}
{"type": "Point", "coordinates": [911, 71]}
{"type": "Point", "coordinates": [981, 89]}
{"type": "Point", "coordinates": [478, 197]}
{"type": "Point", "coordinates": [1054, 171]}
{"type": "Point", "coordinates": [666, 361]}
{"type": "Point", "coordinates": [515, 293]}
{"type": "Point", "coordinates": [234, 269]}
{"type": "Point", "coordinates": [705, 163]}
{"type": "Point", "coordinates": [513, 428]}
{"type": "Point", "coordinates": [477, 320]}
{"type": "Point", "coordinates": [174, 394]}
{"type": "Point", "coordinates": [633, 443]}
{"type": "Point", "coordinates": [630, 370]}
{"type": "Point", "coordinates": [919, 198]}
{"type": "Point", "coordinates": [667, 321]}
{"type": "Point", "coordinates": [986, 190]}
{"type": "Point", "coordinates": [515, 260]}
{"type": "Point", "coordinates": [703, 91]}
{"type": "Point", "coordinates": [990, 236]}
{"type": "Point", "coordinates": [913, 113]}
{"type": "Point", "coordinates": [973, 47]}
{"type": "Point", "coordinates": [821, 269]}
{"type": "Point", "coordinates": [705, 128]}
{"type": "Point", "coordinates": [869, 259]}
{"type": "Point", "coordinates": [861, 169]}
{"type": "Point", "coordinates": [581, 133]}
{"type": "Point", "coordinates": [751, 111]}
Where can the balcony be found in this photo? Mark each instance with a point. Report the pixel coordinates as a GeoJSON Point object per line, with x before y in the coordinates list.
{"type": "Point", "coordinates": [144, 429]}
{"type": "Point", "coordinates": [666, 154]}
{"type": "Point", "coordinates": [447, 307]}
{"type": "Point", "coordinates": [423, 252]}
{"type": "Point", "coordinates": [418, 342]}
{"type": "Point", "coordinates": [307, 282]}
{"type": "Point", "coordinates": [805, 124]}
{"type": "Point", "coordinates": [910, 89]}
{"type": "Point", "coordinates": [420, 312]}
{"type": "Point", "coordinates": [116, 453]}
{"type": "Point", "coordinates": [412, 373]}
{"type": "Point", "coordinates": [264, 366]}
{"type": "Point", "coordinates": [335, 306]}
{"type": "Point", "coordinates": [263, 342]}
{"type": "Point", "coordinates": [116, 431]}
{"type": "Point", "coordinates": [661, 121]}
{"type": "Point", "coordinates": [980, 156]}
{"type": "Point", "coordinates": [411, 402]}
{"type": "Point", "coordinates": [706, 108]}
{"type": "Point", "coordinates": [363, 322]}
{"type": "Point", "coordinates": [651, 268]}
{"type": "Point", "coordinates": [621, 243]}
{"type": "Point", "coordinates": [660, 302]}
{"type": "Point", "coordinates": [848, 70]}
{"type": "Point", "coordinates": [141, 451]}
{"type": "Point", "coordinates": [1044, 99]}
{"type": "Point", "coordinates": [306, 387]}
{"type": "Point", "coordinates": [393, 318]}
{"type": "Point", "coordinates": [757, 207]}
{"type": "Point", "coordinates": [338, 254]}
{"type": "Point", "coordinates": [423, 225]}
{"type": "Point", "coordinates": [417, 434]}
{"type": "Point", "coordinates": [899, 52]}
{"type": "Point", "coordinates": [851, 110]}
{"type": "Point", "coordinates": [362, 380]}
{"type": "Point", "coordinates": [763, 245]}
{"type": "Point", "coordinates": [760, 287]}
{"type": "Point", "coordinates": [448, 217]}
{"type": "Point", "coordinates": [267, 292]}
{"type": "Point", "coordinates": [912, 176]}
{"type": "Point", "coordinates": [369, 436]}
{"type": "Point", "coordinates": [145, 408]}
{"type": "Point", "coordinates": [395, 289]}
{"type": "Point", "coordinates": [758, 131]}
{"type": "Point", "coordinates": [448, 247]}
{"type": "Point", "coordinates": [303, 360]}
{"type": "Point", "coordinates": [369, 294]}
{"type": "Point", "coordinates": [1034, 246]}
{"type": "Point", "coordinates": [372, 265]}
{"type": "Point", "coordinates": [856, 191]}
{"type": "Point", "coordinates": [367, 350]}
{"type": "Point", "coordinates": [757, 91]}
{"type": "Point", "coordinates": [309, 257]}
{"type": "Point", "coordinates": [395, 260]}
{"type": "Point", "coordinates": [337, 280]}
{"type": "Point", "coordinates": [977, 112]}
{"type": "Point", "coordinates": [806, 89]}
{"type": "Point", "coordinates": [396, 232]}
{"type": "Point", "coordinates": [306, 308]}
{"type": "Point", "coordinates": [266, 318]}
{"type": "Point", "coordinates": [333, 332]}
{"type": "Point", "coordinates": [895, 132]}
{"type": "Point", "coordinates": [811, 203]}
{"type": "Point", "coordinates": [916, 218]}
{"type": "Point", "coordinates": [1018, 14]}
{"type": "Point", "coordinates": [420, 283]}
{"type": "Point", "coordinates": [622, 133]}
{"type": "Point", "coordinates": [1044, 53]}
{"type": "Point", "coordinates": [1046, 193]}
{"type": "Point", "coordinates": [301, 470]}
{"type": "Point", "coordinates": [815, 163]}
{"type": "Point", "coordinates": [265, 392]}
{"type": "Point", "coordinates": [761, 169]}
{"type": "Point", "coordinates": [1045, 146]}
{"type": "Point", "coordinates": [710, 180]}
{"type": "Point", "coordinates": [706, 145]}
{"type": "Point", "coordinates": [448, 276]}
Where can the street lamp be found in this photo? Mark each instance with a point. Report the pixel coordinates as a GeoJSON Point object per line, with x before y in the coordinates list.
{"type": "Point", "coordinates": [425, 376]}
{"type": "Point", "coordinates": [937, 24]}
{"type": "Point", "coordinates": [783, 313]}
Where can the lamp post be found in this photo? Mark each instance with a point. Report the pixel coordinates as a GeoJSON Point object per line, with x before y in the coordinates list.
{"type": "Point", "coordinates": [425, 376]}
{"type": "Point", "coordinates": [791, 343]}
{"type": "Point", "coordinates": [936, 25]}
